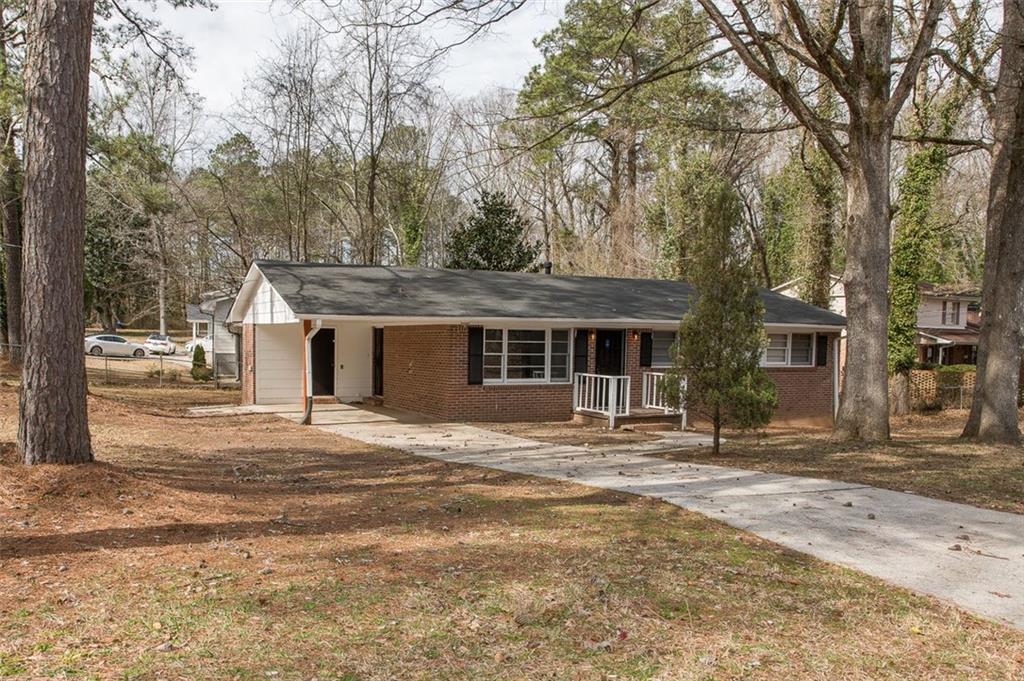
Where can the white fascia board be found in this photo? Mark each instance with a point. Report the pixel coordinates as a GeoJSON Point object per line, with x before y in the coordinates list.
{"type": "Point", "coordinates": [565, 322]}
{"type": "Point", "coordinates": [245, 293]}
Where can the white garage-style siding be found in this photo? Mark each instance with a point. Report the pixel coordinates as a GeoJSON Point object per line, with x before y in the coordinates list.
{"type": "Point", "coordinates": [278, 363]}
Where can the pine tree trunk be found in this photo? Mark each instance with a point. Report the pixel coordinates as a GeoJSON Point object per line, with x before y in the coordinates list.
{"type": "Point", "coordinates": [864, 409]}
{"type": "Point", "coordinates": [10, 198]}
{"type": "Point", "coordinates": [54, 424]}
{"type": "Point", "coordinates": [994, 414]}
{"type": "Point", "coordinates": [10, 213]}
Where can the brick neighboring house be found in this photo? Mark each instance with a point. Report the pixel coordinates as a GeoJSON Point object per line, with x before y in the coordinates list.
{"type": "Point", "coordinates": [497, 346]}
{"type": "Point", "coordinates": [948, 319]}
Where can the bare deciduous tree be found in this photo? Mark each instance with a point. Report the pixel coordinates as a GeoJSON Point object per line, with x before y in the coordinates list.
{"type": "Point", "coordinates": [854, 51]}
{"type": "Point", "coordinates": [994, 415]}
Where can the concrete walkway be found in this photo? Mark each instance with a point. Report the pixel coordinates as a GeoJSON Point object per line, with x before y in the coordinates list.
{"type": "Point", "coordinates": [962, 554]}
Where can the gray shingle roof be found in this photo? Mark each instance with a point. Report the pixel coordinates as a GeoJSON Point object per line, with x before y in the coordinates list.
{"type": "Point", "coordinates": [369, 291]}
{"type": "Point", "coordinates": [194, 314]}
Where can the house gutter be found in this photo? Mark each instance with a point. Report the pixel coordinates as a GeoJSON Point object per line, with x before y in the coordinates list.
{"type": "Point", "coordinates": [307, 415]}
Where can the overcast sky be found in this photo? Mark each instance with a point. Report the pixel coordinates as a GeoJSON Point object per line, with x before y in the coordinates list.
{"type": "Point", "coordinates": [229, 41]}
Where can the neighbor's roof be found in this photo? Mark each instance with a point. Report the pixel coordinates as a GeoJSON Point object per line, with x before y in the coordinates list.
{"type": "Point", "coordinates": [967, 336]}
{"type": "Point", "coordinates": [194, 314]}
{"type": "Point", "coordinates": [367, 291]}
{"type": "Point", "coordinates": [949, 290]}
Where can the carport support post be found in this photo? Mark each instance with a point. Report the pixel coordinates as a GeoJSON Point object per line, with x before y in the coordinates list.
{"type": "Point", "coordinates": [309, 329]}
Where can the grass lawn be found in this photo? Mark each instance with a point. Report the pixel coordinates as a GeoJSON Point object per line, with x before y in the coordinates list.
{"type": "Point", "coordinates": [254, 548]}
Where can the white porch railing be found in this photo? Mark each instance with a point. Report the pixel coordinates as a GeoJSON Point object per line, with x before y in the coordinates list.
{"type": "Point", "coordinates": [600, 394]}
{"type": "Point", "coordinates": [652, 394]}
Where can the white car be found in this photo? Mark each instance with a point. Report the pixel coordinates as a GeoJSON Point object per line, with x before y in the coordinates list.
{"type": "Point", "coordinates": [159, 344]}
{"type": "Point", "coordinates": [206, 342]}
{"type": "Point", "coordinates": [116, 346]}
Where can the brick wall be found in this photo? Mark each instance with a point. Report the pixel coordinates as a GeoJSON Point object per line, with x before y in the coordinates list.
{"type": "Point", "coordinates": [805, 393]}
{"type": "Point", "coordinates": [248, 377]}
{"type": "Point", "coordinates": [425, 370]}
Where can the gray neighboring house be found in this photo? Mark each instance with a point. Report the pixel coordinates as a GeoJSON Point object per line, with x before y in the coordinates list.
{"type": "Point", "coordinates": [209, 318]}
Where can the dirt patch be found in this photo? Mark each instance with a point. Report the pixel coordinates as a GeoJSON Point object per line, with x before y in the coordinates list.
{"type": "Point", "coordinates": [251, 547]}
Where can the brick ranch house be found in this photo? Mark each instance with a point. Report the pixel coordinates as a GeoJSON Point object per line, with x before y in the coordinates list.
{"type": "Point", "coordinates": [497, 346]}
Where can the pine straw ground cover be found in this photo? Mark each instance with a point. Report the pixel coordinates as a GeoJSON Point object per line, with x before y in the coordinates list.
{"type": "Point", "coordinates": [254, 548]}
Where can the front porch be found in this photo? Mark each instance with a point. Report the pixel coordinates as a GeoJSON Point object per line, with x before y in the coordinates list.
{"type": "Point", "coordinates": [603, 397]}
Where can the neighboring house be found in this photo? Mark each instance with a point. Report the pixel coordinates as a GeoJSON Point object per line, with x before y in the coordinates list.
{"type": "Point", "coordinates": [948, 325]}
{"type": "Point", "coordinates": [947, 320]}
{"type": "Point", "coordinates": [836, 293]}
{"type": "Point", "coordinates": [209, 318]}
{"type": "Point", "coordinates": [496, 346]}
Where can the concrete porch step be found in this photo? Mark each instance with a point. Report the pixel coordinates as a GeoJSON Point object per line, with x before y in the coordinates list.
{"type": "Point", "coordinates": [639, 419]}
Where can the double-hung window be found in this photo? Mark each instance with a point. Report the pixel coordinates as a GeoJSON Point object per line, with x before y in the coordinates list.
{"type": "Point", "coordinates": [526, 355]}
{"type": "Point", "coordinates": [951, 313]}
{"type": "Point", "coordinates": [789, 349]}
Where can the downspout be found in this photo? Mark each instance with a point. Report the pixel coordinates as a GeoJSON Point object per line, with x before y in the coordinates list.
{"type": "Point", "coordinates": [835, 376]}
{"type": "Point", "coordinates": [307, 382]}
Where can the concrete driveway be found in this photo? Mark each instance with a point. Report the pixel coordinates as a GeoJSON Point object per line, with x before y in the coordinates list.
{"type": "Point", "coordinates": [962, 554]}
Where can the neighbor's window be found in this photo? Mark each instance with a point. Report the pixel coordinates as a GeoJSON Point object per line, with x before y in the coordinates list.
{"type": "Point", "coordinates": [661, 348]}
{"type": "Point", "coordinates": [778, 349]}
{"type": "Point", "coordinates": [526, 355]}
{"type": "Point", "coordinates": [951, 313]}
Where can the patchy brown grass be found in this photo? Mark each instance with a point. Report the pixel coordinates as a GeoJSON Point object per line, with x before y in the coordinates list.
{"type": "Point", "coordinates": [253, 548]}
{"type": "Point", "coordinates": [925, 456]}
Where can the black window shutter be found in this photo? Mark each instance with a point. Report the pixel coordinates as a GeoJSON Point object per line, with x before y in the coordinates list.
{"type": "Point", "coordinates": [579, 352]}
{"type": "Point", "coordinates": [821, 351]}
{"type": "Point", "coordinates": [476, 355]}
{"type": "Point", "coordinates": [646, 349]}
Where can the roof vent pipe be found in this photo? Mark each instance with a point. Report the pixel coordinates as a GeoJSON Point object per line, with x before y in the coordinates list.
{"type": "Point", "coordinates": [547, 267]}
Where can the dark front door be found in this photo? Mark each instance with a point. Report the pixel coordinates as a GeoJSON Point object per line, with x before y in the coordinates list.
{"type": "Point", "coordinates": [378, 362]}
{"type": "Point", "coordinates": [608, 353]}
{"type": "Point", "coordinates": [321, 354]}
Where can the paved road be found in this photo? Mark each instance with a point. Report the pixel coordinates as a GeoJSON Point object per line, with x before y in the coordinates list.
{"type": "Point", "coordinates": [966, 555]}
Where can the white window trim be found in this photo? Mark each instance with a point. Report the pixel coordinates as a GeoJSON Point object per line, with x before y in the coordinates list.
{"type": "Point", "coordinates": [789, 351]}
{"type": "Point", "coordinates": [504, 380]}
{"type": "Point", "coordinates": [949, 306]}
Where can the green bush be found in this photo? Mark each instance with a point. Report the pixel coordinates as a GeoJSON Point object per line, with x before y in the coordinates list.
{"type": "Point", "coordinates": [956, 368]}
{"type": "Point", "coordinates": [200, 372]}
{"type": "Point", "coordinates": [949, 375]}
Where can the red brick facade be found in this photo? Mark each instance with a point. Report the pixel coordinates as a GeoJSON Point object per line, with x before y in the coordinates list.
{"type": "Point", "coordinates": [248, 364]}
{"type": "Point", "coordinates": [425, 370]}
